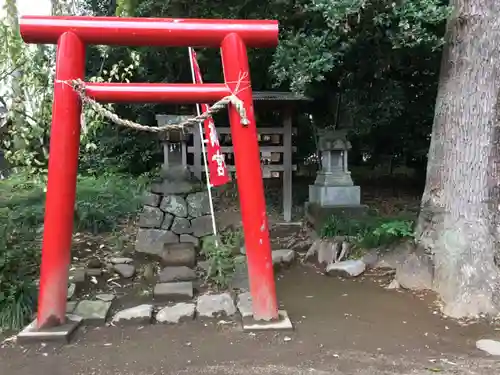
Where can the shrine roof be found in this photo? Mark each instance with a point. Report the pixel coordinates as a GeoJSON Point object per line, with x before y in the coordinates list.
{"type": "Point", "coordinates": [279, 96]}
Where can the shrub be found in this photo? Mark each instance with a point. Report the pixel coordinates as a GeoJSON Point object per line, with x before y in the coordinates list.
{"type": "Point", "coordinates": [343, 226]}
{"type": "Point", "coordinates": [18, 270]}
{"type": "Point", "coordinates": [370, 231]}
{"type": "Point", "coordinates": [21, 214]}
{"type": "Point", "coordinates": [386, 233]}
{"type": "Point", "coordinates": [219, 253]}
{"type": "Point", "coordinates": [102, 203]}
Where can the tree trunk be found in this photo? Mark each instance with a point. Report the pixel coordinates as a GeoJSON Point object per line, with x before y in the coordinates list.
{"type": "Point", "coordinates": [61, 7]}
{"type": "Point", "coordinates": [17, 109]}
{"type": "Point", "coordinates": [459, 220]}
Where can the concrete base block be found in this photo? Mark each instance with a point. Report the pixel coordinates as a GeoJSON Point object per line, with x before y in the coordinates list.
{"type": "Point", "coordinates": [282, 324]}
{"type": "Point", "coordinates": [335, 195]}
{"type": "Point", "coordinates": [317, 215]}
{"type": "Point", "coordinates": [176, 291]}
{"type": "Point", "coordinates": [93, 312]}
{"type": "Point", "coordinates": [60, 333]}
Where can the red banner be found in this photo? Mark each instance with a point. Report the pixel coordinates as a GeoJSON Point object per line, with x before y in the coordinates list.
{"type": "Point", "coordinates": [215, 158]}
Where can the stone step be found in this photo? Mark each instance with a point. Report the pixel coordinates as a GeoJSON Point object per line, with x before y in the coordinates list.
{"type": "Point", "coordinates": [180, 254]}
{"type": "Point", "coordinates": [92, 311]}
{"type": "Point", "coordinates": [171, 274]}
{"type": "Point", "coordinates": [177, 313]}
{"type": "Point", "coordinates": [215, 305]}
{"type": "Point", "coordinates": [175, 291]}
{"type": "Point", "coordinates": [142, 314]}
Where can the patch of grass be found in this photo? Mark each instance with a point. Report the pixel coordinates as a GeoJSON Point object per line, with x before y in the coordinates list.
{"type": "Point", "coordinates": [386, 233]}
{"type": "Point", "coordinates": [219, 253]}
{"type": "Point", "coordinates": [102, 203]}
{"type": "Point", "coordinates": [233, 238]}
{"type": "Point", "coordinates": [369, 232]}
{"type": "Point", "coordinates": [337, 225]}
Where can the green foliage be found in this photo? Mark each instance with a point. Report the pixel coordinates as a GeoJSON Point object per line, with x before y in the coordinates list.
{"type": "Point", "coordinates": [126, 7]}
{"type": "Point", "coordinates": [233, 238]}
{"type": "Point", "coordinates": [27, 72]}
{"type": "Point", "coordinates": [396, 228]}
{"type": "Point", "coordinates": [98, 155]}
{"type": "Point", "coordinates": [21, 216]}
{"type": "Point", "coordinates": [219, 253]}
{"type": "Point", "coordinates": [369, 232]}
{"type": "Point", "coordinates": [17, 298]}
{"type": "Point", "coordinates": [19, 259]}
{"type": "Point", "coordinates": [101, 205]}
{"type": "Point", "coordinates": [324, 46]}
{"type": "Point", "coordinates": [30, 73]}
{"type": "Point", "coordinates": [343, 226]}
{"type": "Point", "coordinates": [104, 202]}
{"type": "Point", "coordinates": [372, 67]}
{"type": "Point", "coordinates": [385, 234]}
{"type": "Point", "coordinates": [336, 31]}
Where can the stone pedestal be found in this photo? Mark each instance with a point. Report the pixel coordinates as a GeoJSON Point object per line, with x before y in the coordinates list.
{"type": "Point", "coordinates": [333, 190]}
{"type": "Point", "coordinates": [317, 215]}
{"type": "Point", "coordinates": [334, 185]}
{"type": "Point", "coordinates": [331, 196]}
{"type": "Point", "coordinates": [177, 207]}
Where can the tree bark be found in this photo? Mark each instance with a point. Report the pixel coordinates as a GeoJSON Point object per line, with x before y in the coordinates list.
{"type": "Point", "coordinates": [459, 220]}
{"type": "Point", "coordinates": [61, 7]}
{"type": "Point", "coordinates": [17, 105]}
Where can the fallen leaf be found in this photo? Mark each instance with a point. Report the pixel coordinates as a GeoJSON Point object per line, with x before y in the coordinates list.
{"type": "Point", "coordinates": [434, 369]}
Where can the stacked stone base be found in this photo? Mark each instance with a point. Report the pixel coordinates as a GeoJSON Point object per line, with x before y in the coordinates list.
{"type": "Point", "coordinates": [174, 299]}
{"type": "Point", "coordinates": [172, 225]}
{"type": "Point", "coordinates": [174, 220]}
{"type": "Point", "coordinates": [175, 210]}
{"type": "Point", "coordinates": [172, 312]}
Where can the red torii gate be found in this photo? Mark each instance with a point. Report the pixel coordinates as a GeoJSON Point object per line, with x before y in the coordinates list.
{"type": "Point", "coordinates": [72, 34]}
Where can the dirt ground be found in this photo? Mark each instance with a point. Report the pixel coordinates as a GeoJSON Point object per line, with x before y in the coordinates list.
{"type": "Point", "coordinates": [341, 327]}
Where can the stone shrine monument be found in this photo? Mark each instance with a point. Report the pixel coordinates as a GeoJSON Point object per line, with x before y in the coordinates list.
{"type": "Point", "coordinates": [334, 185]}
{"type": "Point", "coordinates": [333, 190]}
{"type": "Point", "coordinates": [173, 142]}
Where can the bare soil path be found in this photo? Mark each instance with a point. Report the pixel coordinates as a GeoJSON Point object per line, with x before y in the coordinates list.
{"type": "Point", "coordinates": [341, 327]}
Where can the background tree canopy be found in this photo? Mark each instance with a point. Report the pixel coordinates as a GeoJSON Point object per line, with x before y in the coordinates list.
{"type": "Point", "coordinates": [370, 66]}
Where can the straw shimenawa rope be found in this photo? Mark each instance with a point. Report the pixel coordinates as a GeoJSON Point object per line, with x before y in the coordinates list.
{"type": "Point", "coordinates": [79, 86]}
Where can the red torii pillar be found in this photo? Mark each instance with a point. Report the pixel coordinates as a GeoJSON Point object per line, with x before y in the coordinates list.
{"type": "Point", "coordinates": [72, 34]}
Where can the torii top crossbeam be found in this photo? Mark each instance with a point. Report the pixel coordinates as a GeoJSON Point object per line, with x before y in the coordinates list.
{"type": "Point", "coordinates": [163, 32]}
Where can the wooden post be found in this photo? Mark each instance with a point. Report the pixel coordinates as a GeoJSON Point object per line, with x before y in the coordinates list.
{"type": "Point", "coordinates": [197, 168]}
{"type": "Point", "coordinates": [184, 153]}
{"type": "Point", "coordinates": [287, 164]}
{"type": "Point", "coordinates": [165, 154]}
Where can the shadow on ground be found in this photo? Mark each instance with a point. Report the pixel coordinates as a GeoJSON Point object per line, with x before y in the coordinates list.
{"type": "Point", "coordinates": [342, 327]}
